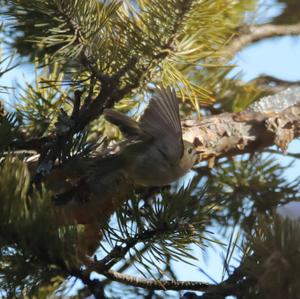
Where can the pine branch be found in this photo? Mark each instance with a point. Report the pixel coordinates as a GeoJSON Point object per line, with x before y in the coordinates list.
{"type": "Point", "coordinates": [237, 284]}
{"type": "Point", "coordinates": [255, 33]}
{"type": "Point", "coordinates": [119, 251]}
{"type": "Point", "coordinates": [104, 266]}
{"type": "Point", "coordinates": [149, 284]}
{"type": "Point", "coordinates": [128, 263]}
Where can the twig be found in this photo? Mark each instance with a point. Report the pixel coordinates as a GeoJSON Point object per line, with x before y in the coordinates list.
{"type": "Point", "coordinates": [293, 155]}
{"type": "Point", "coordinates": [272, 84]}
{"type": "Point", "coordinates": [76, 106]}
{"type": "Point", "coordinates": [118, 252]}
{"type": "Point", "coordinates": [237, 284]}
{"type": "Point", "coordinates": [151, 284]}
{"type": "Point", "coordinates": [127, 263]}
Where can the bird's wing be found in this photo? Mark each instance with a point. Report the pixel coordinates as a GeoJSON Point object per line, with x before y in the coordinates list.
{"type": "Point", "coordinates": [127, 126]}
{"type": "Point", "coordinates": [161, 120]}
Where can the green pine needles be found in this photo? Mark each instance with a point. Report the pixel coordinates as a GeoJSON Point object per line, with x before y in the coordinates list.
{"type": "Point", "coordinates": [61, 217]}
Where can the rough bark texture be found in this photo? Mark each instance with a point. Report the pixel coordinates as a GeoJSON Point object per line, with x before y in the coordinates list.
{"type": "Point", "coordinates": [231, 134]}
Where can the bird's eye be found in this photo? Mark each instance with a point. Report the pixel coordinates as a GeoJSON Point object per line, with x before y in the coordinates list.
{"type": "Point", "coordinates": [190, 150]}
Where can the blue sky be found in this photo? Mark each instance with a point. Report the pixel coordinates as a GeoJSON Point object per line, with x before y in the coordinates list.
{"type": "Point", "coordinates": [279, 57]}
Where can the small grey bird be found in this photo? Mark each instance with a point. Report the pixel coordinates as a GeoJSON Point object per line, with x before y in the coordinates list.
{"type": "Point", "coordinates": [155, 154]}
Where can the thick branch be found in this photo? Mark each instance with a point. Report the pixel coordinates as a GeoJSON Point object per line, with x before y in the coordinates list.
{"type": "Point", "coordinates": [230, 134]}
{"type": "Point", "coordinates": [256, 33]}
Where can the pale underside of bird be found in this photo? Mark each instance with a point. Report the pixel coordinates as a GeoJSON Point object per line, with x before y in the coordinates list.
{"type": "Point", "coordinates": [155, 154]}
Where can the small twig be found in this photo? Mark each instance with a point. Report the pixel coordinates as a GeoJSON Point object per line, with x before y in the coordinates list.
{"type": "Point", "coordinates": [278, 152]}
{"type": "Point", "coordinates": [267, 79]}
{"type": "Point", "coordinates": [238, 283]}
{"type": "Point", "coordinates": [118, 252]}
{"type": "Point", "coordinates": [127, 263]}
{"type": "Point", "coordinates": [151, 284]}
{"type": "Point", "coordinates": [272, 84]}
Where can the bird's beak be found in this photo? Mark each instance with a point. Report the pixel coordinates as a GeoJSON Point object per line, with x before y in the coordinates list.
{"type": "Point", "coordinates": [197, 154]}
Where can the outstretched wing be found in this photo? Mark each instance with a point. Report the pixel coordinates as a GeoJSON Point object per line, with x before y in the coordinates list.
{"type": "Point", "coordinates": [161, 120]}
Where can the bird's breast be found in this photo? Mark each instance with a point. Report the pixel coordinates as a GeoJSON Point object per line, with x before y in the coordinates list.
{"type": "Point", "coordinates": [153, 168]}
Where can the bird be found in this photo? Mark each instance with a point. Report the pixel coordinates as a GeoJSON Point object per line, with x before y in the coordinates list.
{"type": "Point", "coordinates": [154, 153]}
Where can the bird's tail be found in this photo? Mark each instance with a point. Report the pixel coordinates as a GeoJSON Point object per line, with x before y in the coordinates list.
{"type": "Point", "coordinates": [95, 171]}
{"type": "Point", "coordinates": [127, 126]}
